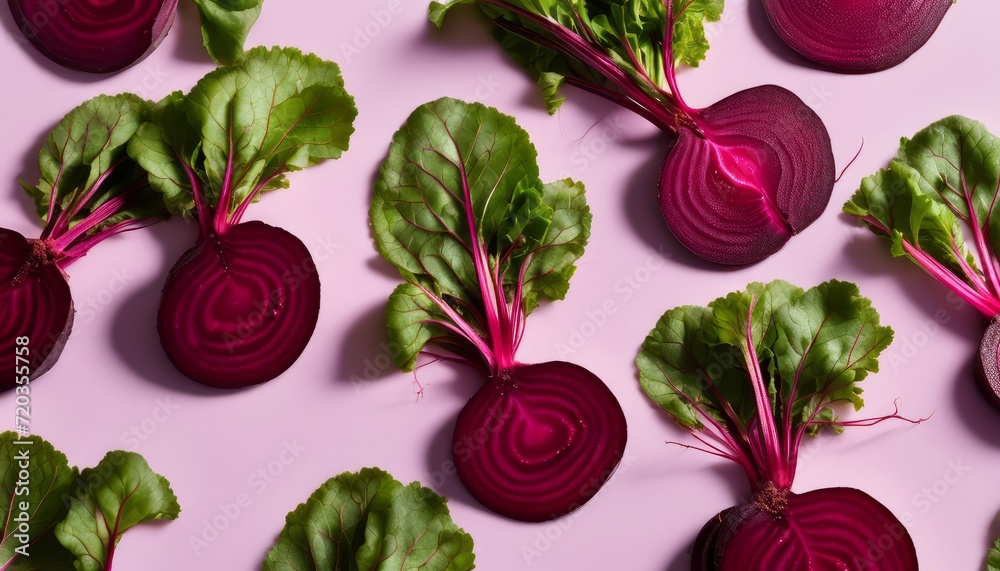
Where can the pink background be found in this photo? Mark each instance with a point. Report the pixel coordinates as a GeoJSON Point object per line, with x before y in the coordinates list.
{"type": "Point", "coordinates": [113, 375]}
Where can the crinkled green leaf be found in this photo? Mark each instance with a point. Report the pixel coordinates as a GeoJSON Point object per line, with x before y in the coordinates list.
{"type": "Point", "coordinates": [631, 32]}
{"type": "Point", "coordinates": [993, 557]}
{"type": "Point", "coordinates": [225, 25]}
{"type": "Point", "coordinates": [84, 161]}
{"type": "Point", "coordinates": [50, 478]}
{"type": "Point", "coordinates": [812, 346]}
{"type": "Point", "coordinates": [412, 322]}
{"type": "Point", "coordinates": [370, 521]}
{"type": "Point", "coordinates": [276, 110]}
{"type": "Point", "coordinates": [111, 498]}
{"type": "Point", "coordinates": [829, 339]}
{"type": "Point", "coordinates": [937, 200]}
{"type": "Point", "coordinates": [420, 225]}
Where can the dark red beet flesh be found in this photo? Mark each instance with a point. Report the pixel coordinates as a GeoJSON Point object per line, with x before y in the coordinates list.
{"type": "Point", "coordinates": [35, 303]}
{"type": "Point", "coordinates": [538, 441]}
{"type": "Point", "coordinates": [856, 35]}
{"type": "Point", "coordinates": [706, 544]}
{"type": "Point", "coordinates": [988, 369]}
{"type": "Point", "coordinates": [94, 36]}
{"type": "Point", "coordinates": [239, 309]}
{"type": "Point", "coordinates": [760, 170]}
{"type": "Point", "coordinates": [831, 529]}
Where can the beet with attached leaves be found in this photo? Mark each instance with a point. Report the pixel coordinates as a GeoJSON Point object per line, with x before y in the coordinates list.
{"type": "Point", "coordinates": [849, 35]}
{"type": "Point", "coordinates": [88, 191]}
{"type": "Point", "coordinates": [749, 376]}
{"type": "Point", "coordinates": [459, 209]}
{"type": "Point", "coordinates": [240, 306]}
{"type": "Point", "coordinates": [743, 175]}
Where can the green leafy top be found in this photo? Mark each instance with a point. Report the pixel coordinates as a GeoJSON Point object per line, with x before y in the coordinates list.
{"type": "Point", "coordinates": [89, 189]}
{"type": "Point", "coordinates": [51, 480]}
{"type": "Point", "coordinates": [76, 519]}
{"type": "Point", "coordinates": [240, 129]}
{"type": "Point", "coordinates": [993, 557]}
{"type": "Point", "coordinates": [225, 25]}
{"type": "Point", "coordinates": [368, 520]}
{"type": "Point", "coordinates": [459, 209]}
{"type": "Point", "coordinates": [758, 369]}
{"type": "Point", "coordinates": [624, 50]}
{"type": "Point", "coordinates": [939, 195]}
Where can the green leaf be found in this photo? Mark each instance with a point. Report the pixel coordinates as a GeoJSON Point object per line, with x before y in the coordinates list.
{"type": "Point", "coordinates": [225, 25]}
{"type": "Point", "coordinates": [629, 32]}
{"type": "Point", "coordinates": [276, 110]}
{"type": "Point", "coordinates": [829, 339]}
{"type": "Point", "coordinates": [993, 557]}
{"type": "Point", "coordinates": [116, 495]}
{"type": "Point", "coordinates": [936, 201]}
{"type": "Point", "coordinates": [419, 221]}
{"type": "Point", "coordinates": [40, 496]}
{"type": "Point", "coordinates": [368, 520]}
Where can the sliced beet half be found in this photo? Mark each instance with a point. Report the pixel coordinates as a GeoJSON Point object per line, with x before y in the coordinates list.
{"type": "Point", "coordinates": [94, 36]}
{"type": "Point", "coordinates": [238, 309]}
{"type": "Point", "coordinates": [988, 369]}
{"type": "Point", "coordinates": [830, 529]}
{"type": "Point", "coordinates": [36, 309]}
{"type": "Point", "coordinates": [552, 433]}
{"type": "Point", "coordinates": [856, 35]}
{"type": "Point", "coordinates": [706, 544]}
{"type": "Point", "coordinates": [753, 170]}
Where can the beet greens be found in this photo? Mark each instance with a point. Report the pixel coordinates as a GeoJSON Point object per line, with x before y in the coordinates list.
{"type": "Point", "coordinates": [459, 209]}
{"type": "Point", "coordinates": [88, 191]}
{"type": "Point", "coordinates": [937, 197]}
{"type": "Point", "coordinates": [369, 520]}
{"type": "Point", "coordinates": [749, 376]}
{"type": "Point", "coordinates": [856, 36]}
{"type": "Point", "coordinates": [743, 175]}
{"type": "Point", "coordinates": [241, 305]}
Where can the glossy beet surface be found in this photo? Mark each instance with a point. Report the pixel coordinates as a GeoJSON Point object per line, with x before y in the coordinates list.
{"type": "Point", "coordinates": [239, 310]}
{"type": "Point", "coordinates": [550, 433]}
{"type": "Point", "coordinates": [755, 169]}
{"type": "Point", "coordinates": [831, 529]}
{"type": "Point", "coordinates": [35, 305]}
{"type": "Point", "coordinates": [856, 35]}
{"type": "Point", "coordinates": [95, 36]}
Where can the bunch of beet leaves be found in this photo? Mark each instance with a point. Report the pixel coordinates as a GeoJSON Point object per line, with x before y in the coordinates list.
{"type": "Point", "coordinates": [936, 204]}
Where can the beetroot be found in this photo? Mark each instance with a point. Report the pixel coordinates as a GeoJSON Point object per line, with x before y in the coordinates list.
{"type": "Point", "coordinates": [250, 292]}
{"type": "Point", "coordinates": [749, 376]}
{"type": "Point", "coordinates": [459, 209]}
{"type": "Point", "coordinates": [858, 36]}
{"type": "Point", "coordinates": [88, 191]}
{"type": "Point", "coordinates": [240, 306]}
{"type": "Point", "coordinates": [94, 36]}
